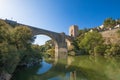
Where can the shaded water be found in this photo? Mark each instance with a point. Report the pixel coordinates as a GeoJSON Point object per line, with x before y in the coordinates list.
{"type": "Point", "coordinates": [74, 68]}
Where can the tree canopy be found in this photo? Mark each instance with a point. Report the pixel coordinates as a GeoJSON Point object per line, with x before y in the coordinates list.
{"type": "Point", "coordinates": [109, 23]}
{"type": "Point", "coordinates": [15, 44]}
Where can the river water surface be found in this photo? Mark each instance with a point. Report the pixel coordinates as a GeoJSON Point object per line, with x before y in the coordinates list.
{"type": "Point", "coordinates": [73, 68]}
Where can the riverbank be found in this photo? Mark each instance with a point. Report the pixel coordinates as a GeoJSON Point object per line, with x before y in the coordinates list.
{"type": "Point", "coordinates": [7, 76]}
{"type": "Point", "coordinates": [25, 66]}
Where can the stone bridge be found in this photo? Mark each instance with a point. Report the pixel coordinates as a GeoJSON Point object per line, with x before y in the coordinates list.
{"type": "Point", "coordinates": [61, 41]}
{"type": "Point", "coordinates": [61, 47]}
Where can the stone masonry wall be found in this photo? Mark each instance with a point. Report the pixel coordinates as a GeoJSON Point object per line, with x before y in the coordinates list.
{"type": "Point", "coordinates": [111, 36]}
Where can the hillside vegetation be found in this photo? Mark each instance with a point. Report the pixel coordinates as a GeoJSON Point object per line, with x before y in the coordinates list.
{"type": "Point", "coordinates": [103, 40]}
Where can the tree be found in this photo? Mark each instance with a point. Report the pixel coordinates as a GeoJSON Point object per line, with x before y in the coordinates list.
{"type": "Point", "coordinates": [49, 48]}
{"type": "Point", "coordinates": [22, 37]}
{"type": "Point", "coordinates": [99, 49]}
{"type": "Point", "coordinates": [90, 41]}
{"type": "Point", "coordinates": [49, 44]}
{"type": "Point", "coordinates": [78, 39]}
{"type": "Point", "coordinates": [113, 50]}
{"type": "Point", "coordinates": [9, 56]}
{"type": "Point", "coordinates": [16, 46]}
{"type": "Point", "coordinates": [118, 21]}
{"type": "Point", "coordinates": [51, 52]}
{"type": "Point", "coordinates": [4, 32]}
{"type": "Point", "coordinates": [81, 32]}
{"type": "Point", "coordinates": [109, 23]}
{"type": "Point", "coordinates": [33, 54]}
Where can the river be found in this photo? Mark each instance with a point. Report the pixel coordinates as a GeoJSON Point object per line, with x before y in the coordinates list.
{"type": "Point", "coordinates": [73, 68]}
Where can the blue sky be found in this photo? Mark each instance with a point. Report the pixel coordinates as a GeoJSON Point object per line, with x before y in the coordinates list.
{"type": "Point", "coordinates": [59, 15]}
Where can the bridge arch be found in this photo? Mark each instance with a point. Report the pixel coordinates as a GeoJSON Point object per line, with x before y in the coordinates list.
{"type": "Point", "coordinates": [58, 38]}
{"type": "Point", "coordinates": [51, 38]}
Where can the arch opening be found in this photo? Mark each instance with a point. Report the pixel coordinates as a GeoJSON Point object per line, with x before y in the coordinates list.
{"type": "Point", "coordinates": [48, 45]}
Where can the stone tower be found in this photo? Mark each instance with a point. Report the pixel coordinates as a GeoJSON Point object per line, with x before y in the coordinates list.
{"type": "Point", "coordinates": [73, 31]}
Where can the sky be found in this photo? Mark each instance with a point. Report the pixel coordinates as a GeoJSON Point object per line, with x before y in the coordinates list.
{"type": "Point", "coordinates": [59, 15]}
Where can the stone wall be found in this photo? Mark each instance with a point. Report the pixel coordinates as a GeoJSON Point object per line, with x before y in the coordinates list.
{"type": "Point", "coordinates": [111, 36]}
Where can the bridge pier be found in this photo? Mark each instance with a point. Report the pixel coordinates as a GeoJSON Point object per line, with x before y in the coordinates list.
{"type": "Point", "coordinates": [60, 53]}
{"type": "Point", "coordinates": [61, 48]}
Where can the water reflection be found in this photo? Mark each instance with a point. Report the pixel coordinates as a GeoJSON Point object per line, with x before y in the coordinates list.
{"type": "Point", "coordinates": [73, 75]}
{"type": "Point", "coordinates": [70, 59]}
{"type": "Point", "coordinates": [74, 68]}
{"type": "Point", "coordinates": [44, 68]}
